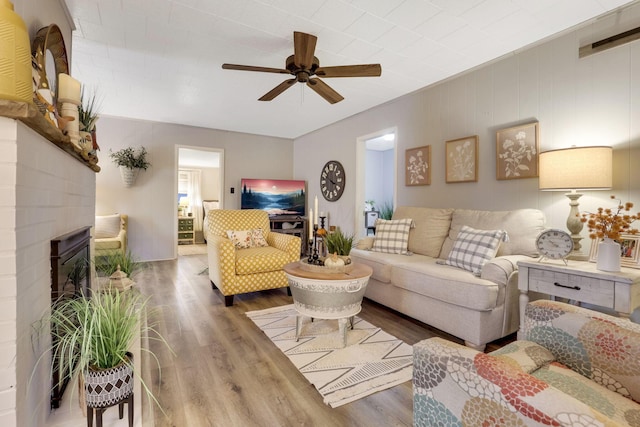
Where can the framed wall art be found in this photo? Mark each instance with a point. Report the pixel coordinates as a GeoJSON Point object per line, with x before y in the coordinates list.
{"type": "Point", "coordinates": [461, 160]}
{"type": "Point", "coordinates": [417, 166]}
{"type": "Point", "coordinates": [517, 152]}
{"type": "Point", "coordinates": [629, 250]}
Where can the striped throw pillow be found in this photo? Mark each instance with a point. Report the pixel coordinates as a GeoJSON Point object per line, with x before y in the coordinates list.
{"type": "Point", "coordinates": [392, 236]}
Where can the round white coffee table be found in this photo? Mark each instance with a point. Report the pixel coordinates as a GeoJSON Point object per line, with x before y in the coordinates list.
{"type": "Point", "coordinates": [324, 295]}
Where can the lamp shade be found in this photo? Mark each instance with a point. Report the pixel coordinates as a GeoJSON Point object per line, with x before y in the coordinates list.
{"type": "Point", "coordinates": [586, 168]}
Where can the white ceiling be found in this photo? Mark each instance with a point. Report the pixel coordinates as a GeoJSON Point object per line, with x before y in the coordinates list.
{"type": "Point", "coordinates": [161, 59]}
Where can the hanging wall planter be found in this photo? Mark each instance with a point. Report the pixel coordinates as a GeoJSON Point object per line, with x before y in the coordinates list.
{"type": "Point", "coordinates": [128, 175]}
{"type": "Point", "coordinates": [130, 161]}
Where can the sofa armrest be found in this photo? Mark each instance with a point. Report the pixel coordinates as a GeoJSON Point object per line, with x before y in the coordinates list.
{"type": "Point", "coordinates": [500, 269]}
{"type": "Point", "coordinates": [598, 346]}
{"type": "Point", "coordinates": [122, 236]}
{"type": "Point", "coordinates": [456, 385]}
{"type": "Point", "coordinates": [222, 262]}
{"type": "Point", "coordinates": [287, 243]}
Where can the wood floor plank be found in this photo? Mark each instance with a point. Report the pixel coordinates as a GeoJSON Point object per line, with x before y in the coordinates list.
{"type": "Point", "coordinates": [226, 371]}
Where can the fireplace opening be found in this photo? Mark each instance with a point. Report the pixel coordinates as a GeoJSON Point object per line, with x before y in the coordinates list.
{"type": "Point", "coordinates": [70, 278]}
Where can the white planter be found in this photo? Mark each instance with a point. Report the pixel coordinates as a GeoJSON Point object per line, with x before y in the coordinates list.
{"type": "Point", "coordinates": [128, 175]}
{"type": "Point", "coordinates": [608, 255]}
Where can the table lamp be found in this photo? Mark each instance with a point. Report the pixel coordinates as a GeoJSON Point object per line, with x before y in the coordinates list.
{"type": "Point", "coordinates": [183, 205]}
{"type": "Point", "coordinates": [572, 169]}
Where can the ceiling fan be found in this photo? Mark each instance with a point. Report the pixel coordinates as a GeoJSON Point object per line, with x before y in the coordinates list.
{"type": "Point", "coordinates": [303, 65]}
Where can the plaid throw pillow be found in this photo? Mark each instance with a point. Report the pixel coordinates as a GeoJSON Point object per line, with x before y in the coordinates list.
{"type": "Point", "coordinates": [392, 236]}
{"type": "Point", "coordinates": [474, 248]}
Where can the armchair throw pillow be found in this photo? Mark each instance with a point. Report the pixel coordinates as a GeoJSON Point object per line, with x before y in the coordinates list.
{"type": "Point", "coordinates": [245, 239]}
{"type": "Point", "coordinates": [392, 236]}
{"type": "Point", "coordinates": [473, 248]}
{"type": "Point", "coordinates": [241, 239]}
{"type": "Point", "coordinates": [108, 226]}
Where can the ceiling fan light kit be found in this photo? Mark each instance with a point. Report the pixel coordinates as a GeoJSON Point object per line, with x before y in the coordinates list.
{"type": "Point", "coordinates": [303, 65]}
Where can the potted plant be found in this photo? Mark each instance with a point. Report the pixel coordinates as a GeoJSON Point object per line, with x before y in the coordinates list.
{"type": "Point", "coordinates": [91, 337]}
{"type": "Point", "coordinates": [87, 118]}
{"type": "Point", "coordinates": [339, 243]}
{"type": "Point", "coordinates": [386, 210]}
{"type": "Point", "coordinates": [130, 161]}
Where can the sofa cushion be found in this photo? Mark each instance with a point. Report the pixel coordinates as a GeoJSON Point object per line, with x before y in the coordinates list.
{"type": "Point", "coordinates": [615, 406]}
{"type": "Point", "coordinates": [392, 236]}
{"type": "Point", "coordinates": [474, 248]}
{"type": "Point", "coordinates": [260, 260]}
{"type": "Point", "coordinates": [431, 227]}
{"type": "Point", "coordinates": [108, 226]}
{"type": "Point", "coordinates": [522, 225]}
{"type": "Point", "coordinates": [379, 262]}
{"type": "Point", "coordinates": [422, 275]}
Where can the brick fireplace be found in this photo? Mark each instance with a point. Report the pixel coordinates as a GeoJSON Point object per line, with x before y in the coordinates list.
{"type": "Point", "coordinates": [45, 193]}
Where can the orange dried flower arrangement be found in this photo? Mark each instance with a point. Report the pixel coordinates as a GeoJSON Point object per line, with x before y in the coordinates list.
{"type": "Point", "coordinates": [611, 223]}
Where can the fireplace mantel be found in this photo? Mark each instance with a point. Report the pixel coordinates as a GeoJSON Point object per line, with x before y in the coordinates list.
{"type": "Point", "coordinates": [30, 116]}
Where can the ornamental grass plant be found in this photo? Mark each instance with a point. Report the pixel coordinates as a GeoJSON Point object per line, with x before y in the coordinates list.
{"type": "Point", "coordinates": [338, 242]}
{"type": "Point", "coordinates": [97, 332]}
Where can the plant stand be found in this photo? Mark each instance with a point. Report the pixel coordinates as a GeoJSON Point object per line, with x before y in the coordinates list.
{"type": "Point", "coordinates": [99, 412]}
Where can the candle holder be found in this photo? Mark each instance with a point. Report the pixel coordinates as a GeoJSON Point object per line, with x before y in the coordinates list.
{"type": "Point", "coordinates": [313, 251]}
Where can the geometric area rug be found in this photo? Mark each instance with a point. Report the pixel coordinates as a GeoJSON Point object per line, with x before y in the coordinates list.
{"type": "Point", "coordinates": [372, 360]}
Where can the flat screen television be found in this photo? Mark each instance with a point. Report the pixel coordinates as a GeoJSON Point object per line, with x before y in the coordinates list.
{"type": "Point", "coordinates": [276, 196]}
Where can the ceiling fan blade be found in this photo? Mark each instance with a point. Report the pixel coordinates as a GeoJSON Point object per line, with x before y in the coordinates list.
{"type": "Point", "coordinates": [365, 70]}
{"type": "Point", "coordinates": [277, 90]}
{"type": "Point", "coordinates": [304, 46]}
{"type": "Point", "coordinates": [252, 68]}
{"type": "Point", "coordinates": [325, 91]}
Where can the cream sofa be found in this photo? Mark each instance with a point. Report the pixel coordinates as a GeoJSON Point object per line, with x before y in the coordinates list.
{"type": "Point", "coordinates": [477, 309]}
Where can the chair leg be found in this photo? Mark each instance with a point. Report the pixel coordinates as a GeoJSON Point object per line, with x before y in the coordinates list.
{"type": "Point", "coordinates": [89, 416]}
{"type": "Point", "coordinates": [288, 291]}
{"type": "Point", "coordinates": [130, 405]}
{"type": "Point", "coordinates": [228, 300]}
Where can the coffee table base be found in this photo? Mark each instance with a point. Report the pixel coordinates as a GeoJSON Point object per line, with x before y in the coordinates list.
{"type": "Point", "coordinates": [342, 327]}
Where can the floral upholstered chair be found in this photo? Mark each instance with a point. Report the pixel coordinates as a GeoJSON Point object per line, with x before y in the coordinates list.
{"type": "Point", "coordinates": [244, 254]}
{"type": "Point", "coordinates": [576, 367]}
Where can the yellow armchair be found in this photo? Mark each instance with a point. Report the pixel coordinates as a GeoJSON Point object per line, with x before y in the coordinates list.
{"type": "Point", "coordinates": [110, 234]}
{"type": "Point", "coordinates": [237, 271]}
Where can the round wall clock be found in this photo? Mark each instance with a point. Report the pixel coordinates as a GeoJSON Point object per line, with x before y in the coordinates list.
{"type": "Point", "coordinates": [554, 244]}
{"type": "Point", "coordinates": [332, 180]}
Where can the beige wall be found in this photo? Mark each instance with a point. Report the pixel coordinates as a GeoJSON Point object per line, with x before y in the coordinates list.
{"type": "Point", "coordinates": [151, 202]}
{"type": "Point", "coordinates": [590, 101]}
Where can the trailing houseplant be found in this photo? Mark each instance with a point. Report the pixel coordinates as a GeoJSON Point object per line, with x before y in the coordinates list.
{"type": "Point", "coordinates": [91, 335]}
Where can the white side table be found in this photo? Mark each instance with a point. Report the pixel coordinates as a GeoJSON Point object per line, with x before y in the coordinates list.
{"type": "Point", "coordinates": [579, 281]}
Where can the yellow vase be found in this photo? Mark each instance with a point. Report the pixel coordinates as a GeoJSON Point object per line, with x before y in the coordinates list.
{"type": "Point", "coordinates": [15, 56]}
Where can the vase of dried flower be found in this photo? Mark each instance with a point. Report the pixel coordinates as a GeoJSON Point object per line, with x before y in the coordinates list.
{"type": "Point", "coordinates": [608, 255]}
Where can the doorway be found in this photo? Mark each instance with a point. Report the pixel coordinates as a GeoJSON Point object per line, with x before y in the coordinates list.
{"type": "Point", "coordinates": [199, 184]}
{"type": "Point", "coordinates": [376, 172]}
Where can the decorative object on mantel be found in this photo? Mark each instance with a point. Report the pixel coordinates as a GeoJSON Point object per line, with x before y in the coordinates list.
{"type": "Point", "coordinates": [15, 73]}
{"type": "Point", "coordinates": [572, 169]}
{"type": "Point", "coordinates": [49, 50]}
{"type": "Point", "coordinates": [609, 226]}
{"type": "Point", "coordinates": [88, 116]}
{"type": "Point", "coordinates": [69, 100]}
{"type": "Point", "coordinates": [130, 162]}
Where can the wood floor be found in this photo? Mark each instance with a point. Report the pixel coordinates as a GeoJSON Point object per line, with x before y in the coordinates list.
{"type": "Point", "coordinates": [226, 372]}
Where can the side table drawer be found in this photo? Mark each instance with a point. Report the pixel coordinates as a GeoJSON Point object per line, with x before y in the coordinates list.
{"type": "Point", "coordinates": [571, 286]}
{"type": "Point", "coordinates": [185, 235]}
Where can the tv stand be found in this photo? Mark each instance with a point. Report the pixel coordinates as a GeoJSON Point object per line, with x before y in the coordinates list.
{"type": "Point", "coordinates": [291, 224]}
